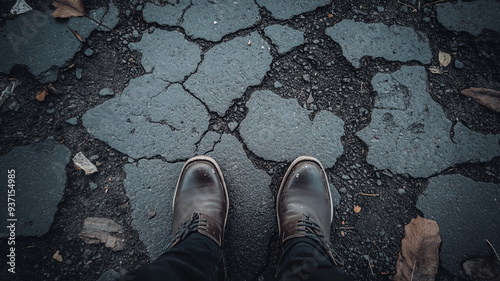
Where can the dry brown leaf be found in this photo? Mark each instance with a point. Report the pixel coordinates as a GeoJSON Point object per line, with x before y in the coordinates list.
{"type": "Point", "coordinates": [357, 209]}
{"type": "Point", "coordinates": [57, 256]}
{"type": "Point", "coordinates": [77, 35]}
{"type": "Point", "coordinates": [487, 97]}
{"type": "Point", "coordinates": [481, 269]}
{"type": "Point", "coordinates": [419, 256]}
{"type": "Point", "coordinates": [330, 16]}
{"type": "Point", "coordinates": [444, 58]}
{"type": "Point", "coordinates": [40, 96]}
{"type": "Point", "coordinates": [68, 8]}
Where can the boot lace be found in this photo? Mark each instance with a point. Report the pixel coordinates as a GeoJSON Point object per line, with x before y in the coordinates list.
{"type": "Point", "coordinates": [312, 230]}
{"type": "Point", "coordinates": [188, 227]}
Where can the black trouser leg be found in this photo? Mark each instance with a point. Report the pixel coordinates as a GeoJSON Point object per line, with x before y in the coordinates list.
{"type": "Point", "coordinates": [195, 258]}
{"type": "Point", "coordinates": [304, 259]}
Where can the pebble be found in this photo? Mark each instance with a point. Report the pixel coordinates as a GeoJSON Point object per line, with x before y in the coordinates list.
{"type": "Point", "coordinates": [135, 33]}
{"type": "Point", "coordinates": [72, 121]}
{"type": "Point", "coordinates": [380, 8]}
{"type": "Point", "coordinates": [277, 84]}
{"type": "Point", "coordinates": [379, 182]}
{"type": "Point", "coordinates": [232, 126]}
{"type": "Point", "coordinates": [89, 52]}
{"type": "Point", "coordinates": [306, 77]}
{"type": "Point", "coordinates": [459, 64]}
{"type": "Point", "coordinates": [14, 106]}
{"type": "Point", "coordinates": [130, 160]}
{"type": "Point", "coordinates": [343, 190]}
{"type": "Point", "coordinates": [50, 111]}
{"type": "Point", "coordinates": [346, 177]}
{"type": "Point", "coordinates": [78, 73]}
{"type": "Point", "coordinates": [401, 191]}
{"type": "Point", "coordinates": [93, 157]}
{"type": "Point", "coordinates": [106, 92]}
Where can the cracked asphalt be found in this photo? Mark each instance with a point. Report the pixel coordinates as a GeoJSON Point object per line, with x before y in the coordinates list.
{"type": "Point", "coordinates": [253, 84]}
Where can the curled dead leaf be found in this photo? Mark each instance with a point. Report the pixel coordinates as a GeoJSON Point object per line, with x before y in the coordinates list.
{"type": "Point", "coordinates": [40, 96]}
{"type": "Point", "coordinates": [330, 16]}
{"type": "Point", "coordinates": [444, 58]}
{"type": "Point", "coordinates": [68, 8]}
{"type": "Point", "coordinates": [419, 256]}
{"type": "Point", "coordinates": [486, 97]}
{"type": "Point", "coordinates": [357, 209]}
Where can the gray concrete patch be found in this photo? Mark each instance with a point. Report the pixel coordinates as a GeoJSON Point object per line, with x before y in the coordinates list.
{"type": "Point", "coordinates": [284, 37]}
{"type": "Point", "coordinates": [150, 118]}
{"type": "Point", "coordinates": [39, 185]}
{"type": "Point", "coordinates": [286, 9]}
{"type": "Point", "coordinates": [280, 130]}
{"type": "Point", "coordinates": [212, 20]}
{"type": "Point", "coordinates": [471, 17]}
{"type": "Point", "coordinates": [409, 132]}
{"type": "Point", "coordinates": [252, 220]}
{"type": "Point", "coordinates": [207, 143]}
{"type": "Point", "coordinates": [168, 14]}
{"type": "Point", "coordinates": [394, 43]}
{"type": "Point", "coordinates": [174, 60]}
{"type": "Point", "coordinates": [467, 213]}
{"type": "Point", "coordinates": [55, 43]}
{"type": "Point", "coordinates": [150, 186]}
{"type": "Point", "coordinates": [228, 69]}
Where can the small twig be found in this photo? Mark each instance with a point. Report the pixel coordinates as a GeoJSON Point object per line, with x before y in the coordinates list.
{"type": "Point", "coordinates": [83, 142]}
{"type": "Point", "coordinates": [346, 227]}
{"type": "Point", "coordinates": [493, 249]}
{"type": "Point", "coordinates": [98, 22]}
{"type": "Point", "coordinates": [408, 5]}
{"type": "Point", "coordinates": [369, 194]}
{"type": "Point", "coordinates": [432, 3]}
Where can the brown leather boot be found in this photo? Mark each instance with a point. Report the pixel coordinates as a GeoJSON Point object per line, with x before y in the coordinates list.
{"type": "Point", "coordinates": [304, 203]}
{"type": "Point", "coordinates": [200, 201]}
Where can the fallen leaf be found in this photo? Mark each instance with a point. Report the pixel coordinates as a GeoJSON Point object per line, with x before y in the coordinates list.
{"type": "Point", "coordinates": [487, 97]}
{"type": "Point", "coordinates": [357, 209]}
{"type": "Point", "coordinates": [40, 96]}
{"type": "Point", "coordinates": [444, 58]}
{"type": "Point", "coordinates": [249, 42]}
{"type": "Point", "coordinates": [435, 70]}
{"type": "Point", "coordinates": [482, 269]}
{"type": "Point", "coordinates": [330, 15]}
{"type": "Point", "coordinates": [57, 256]}
{"type": "Point", "coordinates": [68, 8]}
{"type": "Point", "coordinates": [342, 233]}
{"type": "Point", "coordinates": [77, 35]}
{"type": "Point", "coordinates": [419, 255]}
